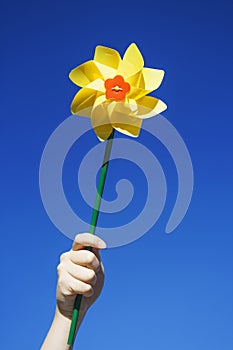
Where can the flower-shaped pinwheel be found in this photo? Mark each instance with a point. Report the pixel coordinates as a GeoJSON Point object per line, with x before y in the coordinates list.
{"type": "Point", "coordinates": [114, 91]}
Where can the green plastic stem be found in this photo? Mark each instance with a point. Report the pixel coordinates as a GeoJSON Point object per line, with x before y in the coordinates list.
{"type": "Point", "coordinates": [94, 219]}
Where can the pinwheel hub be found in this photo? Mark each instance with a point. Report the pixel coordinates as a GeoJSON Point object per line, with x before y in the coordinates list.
{"type": "Point", "coordinates": [116, 88]}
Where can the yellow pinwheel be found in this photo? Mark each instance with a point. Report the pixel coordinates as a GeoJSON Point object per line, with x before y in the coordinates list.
{"type": "Point", "coordinates": [114, 91]}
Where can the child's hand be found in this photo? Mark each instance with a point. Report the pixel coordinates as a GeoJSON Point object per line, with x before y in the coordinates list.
{"type": "Point", "coordinates": [80, 272]}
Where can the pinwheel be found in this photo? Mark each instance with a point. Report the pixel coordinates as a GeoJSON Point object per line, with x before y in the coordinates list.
{"type": "Point", "coordinates": [113, 95]}
{"type": "Point", "coordinates": [114, 91]}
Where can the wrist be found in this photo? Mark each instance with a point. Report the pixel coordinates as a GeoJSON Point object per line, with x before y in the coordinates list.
{"type": "Point", "coordinates": [58, 334]}
{"type": "Point", "coordinates": [60, 317]}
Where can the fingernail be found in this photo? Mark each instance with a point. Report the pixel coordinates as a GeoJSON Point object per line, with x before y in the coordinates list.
{"type": "Point", "coordinates": [102, 244]}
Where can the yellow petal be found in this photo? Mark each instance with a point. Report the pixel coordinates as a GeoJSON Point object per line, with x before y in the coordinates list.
{"type": "Point", "coordinates": [83, 102]}
{"type": "Point", "coordinates": [136, 80]}
{"type": "Point", "coordinates": [107, 56]}
{"type": "Point", "coordinates": [106, 71]}
{"type": "Point", "coordinates": [85, 74]}
{"type": "Point", "coordinates": [97, 84]}
{"type": "Point", "coordinates": [132, 62]}
{"type": "Point", "coordinates": [126, 69]}
{"type": "Point", "coordinates": [148, 79]}
{"type": "Point", "coordinates": [133, 56]}
{"type": "Point", "coordinates": [149, 106]}
{"type": "Point", "coordinates": [136, 93]}
{"type": "Point", "coordinates": [152, 78]}
{"type": "Point", "coordinates": [123, 121]}
{"type": "Point", "coordinates": [100, 119]}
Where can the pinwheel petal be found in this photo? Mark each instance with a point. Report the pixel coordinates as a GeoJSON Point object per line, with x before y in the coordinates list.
{"type": "Point", "coordinates": [152, 78]}
{"type": "Point", "coordinates": [133, 56]}
{"type": "Point", "coordinates": [107, 61]}
{"type": "Point", "coordinates": [107, 72]}
{"type": "Point", "coordinates": [100, 119]}
{"type": "Point", "coordinates": [137, 93]}
{"type": "Point", "coordinates": [148, 79]}
{"type": "Point", "coordinates": [85, 74]}
{"type": "Point", "coordinates": [107, 56]}
{"type": "Point", "coordinates": [132, 62]}
{"type": "Point", "coordinates": [97, 84]}
{"type": "Point", "coordinates": [122, 119]}
{"type": "Point", "coordinates": [83, 102]}
{"type": "Point", "coordinates": [149, 106]}
{"type": "Point", "coordinates": [136, 80]}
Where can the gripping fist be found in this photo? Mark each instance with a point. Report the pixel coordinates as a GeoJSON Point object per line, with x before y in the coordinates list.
{"type": "Point", "coordinates": [80, 272]}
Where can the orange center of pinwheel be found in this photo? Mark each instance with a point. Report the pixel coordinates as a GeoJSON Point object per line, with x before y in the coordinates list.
{"type": "Point", "coordinates": [116, 88]}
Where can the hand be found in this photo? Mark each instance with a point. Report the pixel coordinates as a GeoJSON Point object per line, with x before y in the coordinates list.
{"type": "Point", "coordinates": [80, 272]}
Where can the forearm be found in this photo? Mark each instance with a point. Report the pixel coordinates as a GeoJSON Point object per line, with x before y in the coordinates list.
{"type": "Point", "coordinates": [58, 333]}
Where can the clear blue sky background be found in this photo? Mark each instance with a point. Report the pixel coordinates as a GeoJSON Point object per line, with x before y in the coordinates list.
{"type": "Point", "coordinates": [163, 291]}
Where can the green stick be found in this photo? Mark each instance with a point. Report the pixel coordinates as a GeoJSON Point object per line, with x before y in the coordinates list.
{"type": "Point", "coordinates": [92, 229]}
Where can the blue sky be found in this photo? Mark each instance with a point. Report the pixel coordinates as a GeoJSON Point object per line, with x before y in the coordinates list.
{"type": "Point", "coordinates": [162, 291]}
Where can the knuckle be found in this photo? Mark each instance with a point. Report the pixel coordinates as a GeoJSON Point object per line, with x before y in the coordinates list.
{"type": "Point", "coordinates": [75, 256]}
{"type": "Point", "coordinates": [88, 290]}
{"type": "Point", "coordinates": [83, 288]}
{"type": "Point", "coordinates": [90, 275]}
{"type": "Point", "coordinates": [63, 256]}
{"type": "Point", "coordinates": [59, 268]}
{"type": "Point", "coordinates": [90, 258]}
{"type": "Point", "coordinates": [92, 261]}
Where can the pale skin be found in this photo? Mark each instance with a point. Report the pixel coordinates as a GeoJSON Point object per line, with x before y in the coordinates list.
{"type": "Point", "coordinates": [79, 272]}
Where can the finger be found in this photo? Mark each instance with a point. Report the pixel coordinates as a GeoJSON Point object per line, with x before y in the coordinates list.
{"type": "Point", "coordinates": [71, 286]}
{"type": "Point", "coordinates": [81, 273]}
{"type": "Point", "coordinates": [83, 240]}
{"type": "Point", "coordinates": [85, 258]}
{"type": "Point", "coordinates": [97, 254]}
